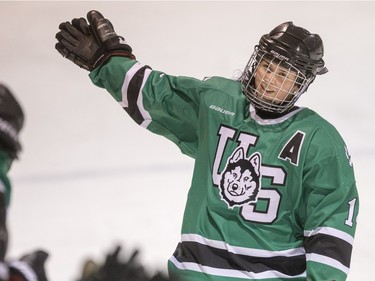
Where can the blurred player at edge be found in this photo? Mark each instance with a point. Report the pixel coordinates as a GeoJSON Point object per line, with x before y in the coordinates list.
{"type": "Point", "coordinates": [29, 267]}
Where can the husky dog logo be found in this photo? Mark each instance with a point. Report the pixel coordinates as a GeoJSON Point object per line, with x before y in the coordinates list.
{"type": "Point", "coordinates": [240, 180]}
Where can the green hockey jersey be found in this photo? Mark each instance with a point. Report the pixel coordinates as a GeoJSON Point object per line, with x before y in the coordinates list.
{"type": "Point", "coordinates": [270, 199]}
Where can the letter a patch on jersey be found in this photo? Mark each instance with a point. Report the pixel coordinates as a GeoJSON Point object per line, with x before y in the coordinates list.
{"type": "Point", "coordinates": [292, 148]}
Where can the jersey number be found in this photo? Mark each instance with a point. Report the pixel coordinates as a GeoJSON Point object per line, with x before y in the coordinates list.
{"type": "Point", "coordinates": [350, 217]}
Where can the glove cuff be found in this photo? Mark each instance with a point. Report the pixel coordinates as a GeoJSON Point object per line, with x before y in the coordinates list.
{"type": "Point", "coordinates": [106, 56]}
{"type": "Point", "coordinates": [24, 269]}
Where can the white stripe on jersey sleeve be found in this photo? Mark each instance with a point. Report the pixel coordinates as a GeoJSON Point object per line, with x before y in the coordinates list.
{"type": "Point", "coordinates": [328, 261]}
{"type": "Point", "coordinates": [332, 232]}
{"type": "Point", "coordinates": [146, 116]}
{"type": "Point", "coordinates": [128, 77]}
{"type": "Point", "coordinates": [124, 92]}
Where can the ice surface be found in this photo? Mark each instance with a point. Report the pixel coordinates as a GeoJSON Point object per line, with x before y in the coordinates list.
{"type": "Point", "coordinates": [89, 178]}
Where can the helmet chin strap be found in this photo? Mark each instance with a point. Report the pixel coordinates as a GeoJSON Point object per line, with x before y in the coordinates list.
{"type": "Point", "coordinates": [322, 71]}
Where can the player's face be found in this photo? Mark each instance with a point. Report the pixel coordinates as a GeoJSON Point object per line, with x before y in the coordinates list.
{"type": "Point", "coordinates": [273, 82]}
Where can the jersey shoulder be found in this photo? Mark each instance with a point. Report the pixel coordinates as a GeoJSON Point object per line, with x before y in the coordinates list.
{"type": "Point", "coordinates": [212, 84]}
{"type": "Point", "coordinates": [309, 120]}
{"type": "Point", "coordinates": [324, 140]}
{"type": "Point", "coordinates": [222, 84]}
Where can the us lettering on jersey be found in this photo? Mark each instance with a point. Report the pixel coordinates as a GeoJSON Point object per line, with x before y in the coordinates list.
{"type": "Point", "coordinates": [240, 179]}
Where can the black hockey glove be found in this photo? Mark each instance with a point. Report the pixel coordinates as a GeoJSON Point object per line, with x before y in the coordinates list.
{"type": "Point", "coordinates": [29, 267]}
{"type": "Point", "coordinates": [116, 269]}
{"type": "Point", "coordinates": [90, 46]}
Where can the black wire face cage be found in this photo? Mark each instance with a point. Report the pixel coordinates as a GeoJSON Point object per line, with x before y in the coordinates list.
{"type": "Point", "coordinates": [271, 83]}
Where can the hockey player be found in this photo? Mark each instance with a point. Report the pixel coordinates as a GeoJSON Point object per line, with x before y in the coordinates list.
{"type": "Point", "coordinates": [29, 267]}
{"type": "Point", "coordinates": [273, 194]}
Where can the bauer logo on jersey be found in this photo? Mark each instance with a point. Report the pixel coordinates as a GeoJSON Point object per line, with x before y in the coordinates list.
{"type": "Point", "coordinates": [240, 180]}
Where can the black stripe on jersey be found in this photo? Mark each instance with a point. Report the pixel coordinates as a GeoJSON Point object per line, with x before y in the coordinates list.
{"type": "Point", "coordinates": [134, 89]}
{"type": "Point", "coordinates": [218, 258]}
{"type": "Point", "coordinates": [329, 246]}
